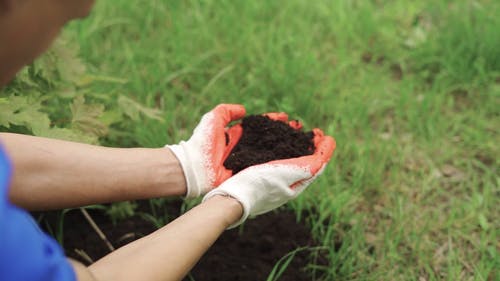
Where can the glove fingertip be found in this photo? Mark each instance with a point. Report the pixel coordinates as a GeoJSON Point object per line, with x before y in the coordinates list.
{"type": "Point", "coordinates": [277, 116]}
{"type": "Point", "coordinates": [318, 136]}
{"type": "Point", "coordinates": [234, 111]}
{"type": "Point", "coordinates": [325, 148]}
{"type": "Point", "coordinates": [296, 124]}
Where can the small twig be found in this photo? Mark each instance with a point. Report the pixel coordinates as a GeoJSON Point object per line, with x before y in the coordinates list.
{"type": "Point", "coordinates": [130, 235]}
{"type": "Point", "coordinates": [84, 256]}
{"type": "Point", "coordinates": [97, 229]}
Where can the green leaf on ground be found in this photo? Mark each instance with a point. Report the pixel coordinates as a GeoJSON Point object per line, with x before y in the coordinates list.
{"type": "Point", "coordinates": [86, 117]}
{"type": "Point", "coordinates": [134, 109]}
{"type": "Point", "coordinates": [24, 111]}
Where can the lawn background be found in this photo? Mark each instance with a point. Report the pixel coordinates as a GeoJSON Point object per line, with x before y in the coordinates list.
{"type": "Point", "coordinates": [409, 89]}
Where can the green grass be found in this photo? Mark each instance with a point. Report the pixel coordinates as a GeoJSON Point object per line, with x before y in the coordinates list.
{"type": "Point", "coordinates": [410, 91]}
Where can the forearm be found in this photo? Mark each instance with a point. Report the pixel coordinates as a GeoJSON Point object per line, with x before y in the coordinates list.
{"type": "Point", "coordinates": [51, 174]}
{"type": "Point", "coordinates": [170, 252]}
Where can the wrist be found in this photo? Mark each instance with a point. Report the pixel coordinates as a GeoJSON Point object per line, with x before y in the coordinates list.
{"type": "Point", "coordinates": [170, 174]}
{"type": "Point", "coordinates": [230, 207]}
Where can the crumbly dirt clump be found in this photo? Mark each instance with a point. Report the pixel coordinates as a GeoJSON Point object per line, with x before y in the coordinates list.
{"type": "Point", "coordinates": [264, 140]}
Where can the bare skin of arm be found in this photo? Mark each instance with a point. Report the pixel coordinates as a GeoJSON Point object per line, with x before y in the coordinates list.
{"type": "Point", "coordinates": [55, 174]}
{"type": "Point", "coordinates": [170, 252]}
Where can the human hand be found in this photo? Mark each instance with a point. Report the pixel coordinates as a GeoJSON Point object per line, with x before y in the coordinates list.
{"type": "Point", "coordinates": [264, 187]}
{"type": "Point", "coordinates": [203, 155]}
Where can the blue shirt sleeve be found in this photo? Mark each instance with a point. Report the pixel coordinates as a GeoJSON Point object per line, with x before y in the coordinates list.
{"type": "Point", "coordinates": [26, 253]}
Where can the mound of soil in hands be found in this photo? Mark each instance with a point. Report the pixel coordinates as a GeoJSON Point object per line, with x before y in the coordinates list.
{"type": "Point", "coordinates": [264, 140]}
{"type": "Point", "coordinates": [245, 254]}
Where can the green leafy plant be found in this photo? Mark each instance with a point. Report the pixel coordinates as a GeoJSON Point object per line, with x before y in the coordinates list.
{"type": "Point", "coordinates": [121, 210]}
{"type": "Point", "coordinates": [158, 214]}
{"type": "Point", "coordinates": [52, 98]}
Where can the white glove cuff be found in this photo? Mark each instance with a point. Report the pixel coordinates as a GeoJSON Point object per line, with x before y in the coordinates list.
{"type": "Point", "coordinates": [193, 187]}
{"type": "Point", "coordinates": [244, 203]}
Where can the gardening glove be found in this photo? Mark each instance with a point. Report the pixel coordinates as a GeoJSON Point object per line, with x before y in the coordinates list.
{"type": "Point", "coordinates": [283, 117]}
{"type": "Point", "coordinates": [264, 187]}
{"type": "Point", "coordinates": [203, 155]}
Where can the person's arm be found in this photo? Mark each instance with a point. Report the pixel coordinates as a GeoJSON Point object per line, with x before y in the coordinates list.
{"type": "Point", "coordinates": [51, 174]}
{"type": "Point", "coordinates": [170, 252]}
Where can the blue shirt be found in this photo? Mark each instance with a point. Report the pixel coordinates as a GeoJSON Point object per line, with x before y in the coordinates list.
{"type": "Point", "coordinates": [26, 253]}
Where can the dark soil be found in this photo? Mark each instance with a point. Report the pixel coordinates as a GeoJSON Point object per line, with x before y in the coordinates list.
{"type": "Point", "coordinates": [264, 140]}
{"type": "Point", "coordinates": [243, 254]}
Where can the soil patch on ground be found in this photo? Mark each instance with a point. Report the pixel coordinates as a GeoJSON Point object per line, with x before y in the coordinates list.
{"type": "Point", "coordinates": [264, 140]}
{"type": "Point", "coordinates": [247, 253]}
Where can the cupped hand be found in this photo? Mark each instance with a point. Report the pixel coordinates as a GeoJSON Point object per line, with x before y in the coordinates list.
{"type": "Point", "coordinates": [203, 155]}
{"type": "Point", "coordinates": [264, 187]}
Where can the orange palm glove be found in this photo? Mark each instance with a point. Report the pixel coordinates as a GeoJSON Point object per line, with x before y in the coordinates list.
{"type": "Point", "coordinates": [203, 155]}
